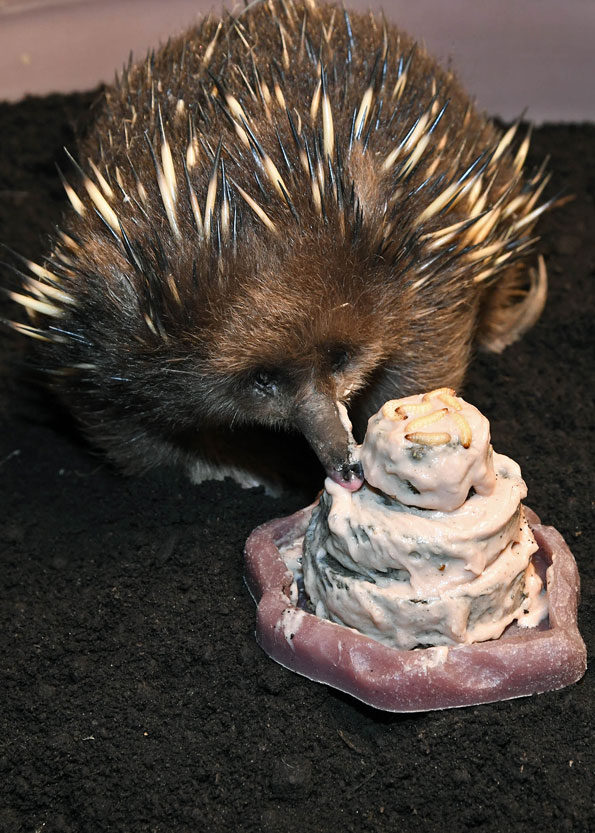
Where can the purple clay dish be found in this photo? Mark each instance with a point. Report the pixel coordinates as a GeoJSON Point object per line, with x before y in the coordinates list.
{"type": "Point", "coordinates": [522, 662]}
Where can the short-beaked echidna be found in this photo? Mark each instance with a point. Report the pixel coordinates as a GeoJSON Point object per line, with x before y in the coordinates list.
{"type": "Point", "coordinates": [280, 211]}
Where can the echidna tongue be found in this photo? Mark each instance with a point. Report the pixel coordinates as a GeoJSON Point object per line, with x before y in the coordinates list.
{"type": "Point", "coordinates": [325, 425]}
{"type": "Point", "coordinates": [350, 476]}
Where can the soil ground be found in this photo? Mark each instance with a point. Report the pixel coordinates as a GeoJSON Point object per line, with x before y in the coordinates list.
{"type": "Point", "coordinates": [134, 697]}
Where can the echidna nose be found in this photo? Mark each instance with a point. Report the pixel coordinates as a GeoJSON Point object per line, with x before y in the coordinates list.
{"type": "Point", "coordinates": [350, 476]}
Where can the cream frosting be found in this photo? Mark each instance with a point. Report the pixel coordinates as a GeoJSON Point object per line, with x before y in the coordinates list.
{"type": "Point", "coordinates": [434, 549]}
{"type": "Point", "coordinates": [452, 453]}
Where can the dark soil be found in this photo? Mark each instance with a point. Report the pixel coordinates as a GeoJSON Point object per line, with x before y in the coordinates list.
{"type": "Point", "coordinates": [134, 697]}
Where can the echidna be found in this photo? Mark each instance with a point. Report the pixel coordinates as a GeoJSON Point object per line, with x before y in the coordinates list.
{"type": "Point", "coordinates": [278, 212]}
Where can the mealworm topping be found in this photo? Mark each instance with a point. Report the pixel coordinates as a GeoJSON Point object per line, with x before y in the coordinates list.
{"type": "Point", "coordinates": [450, 400]}
{"type": "Point", "coordinates": [397, 409]}
{"type": "Point", "coordinates": [422, 415]}
{"type": "Point", "coordinates": [429, 450]}
{"type": "Point", "coordinates": [432, 394]}
{"type": "Point", "coordinates": [429, 437]}
{"type": "Point", "coordinates": [426, 419]}
{"type": "Point", "coordinates": [465, 436]}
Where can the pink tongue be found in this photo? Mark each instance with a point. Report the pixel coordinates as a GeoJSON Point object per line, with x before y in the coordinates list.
{"type": "Point", "coordinates": [350, 477]}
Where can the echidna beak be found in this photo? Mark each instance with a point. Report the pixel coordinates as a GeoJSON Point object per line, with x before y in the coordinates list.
{"type": "Point", "coordinates": [325, 425]}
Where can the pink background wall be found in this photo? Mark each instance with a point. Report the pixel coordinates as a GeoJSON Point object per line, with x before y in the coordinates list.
{"type": "Point", "coordinates": [511, 54]}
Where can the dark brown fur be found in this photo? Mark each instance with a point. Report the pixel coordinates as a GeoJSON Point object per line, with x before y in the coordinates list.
{"type": "Point", "coordinates": [171, 339]}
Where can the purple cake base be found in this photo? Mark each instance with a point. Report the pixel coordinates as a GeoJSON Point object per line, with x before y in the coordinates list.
{"type": "Point", "coordinates": [522, 662]}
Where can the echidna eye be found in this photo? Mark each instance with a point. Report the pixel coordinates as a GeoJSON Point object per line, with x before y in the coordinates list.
{"type": "Point", "coordinates": [339, 358]}
{"type": "Point", "coordinates": [265, 382]}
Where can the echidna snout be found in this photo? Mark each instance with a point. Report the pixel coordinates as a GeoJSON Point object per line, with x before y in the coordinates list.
{"type": "Point", "coordinates": [325, 425]}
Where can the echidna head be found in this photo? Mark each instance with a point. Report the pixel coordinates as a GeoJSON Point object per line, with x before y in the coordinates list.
{"type": "Point", "coordinates": [294, 338]}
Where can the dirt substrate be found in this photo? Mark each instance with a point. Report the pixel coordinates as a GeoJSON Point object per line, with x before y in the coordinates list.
{"type": "Point", "coordinates": [134, 697]}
